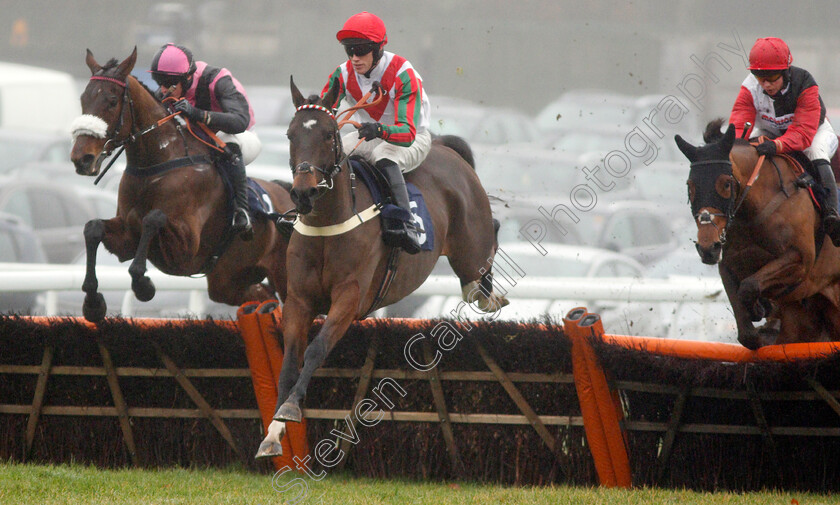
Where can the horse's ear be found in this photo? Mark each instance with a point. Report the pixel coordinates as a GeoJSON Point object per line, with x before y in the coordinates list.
{"type": "Point", "coordinates": [127, 64]}
{"type": "Point", "coordinates": [91, 63]}
{"type": "Point", "coordinates": [687, 149]}
{"type": "Point", "coordinates": [728, 138]}
{"type": "Point", "coordinates": [297, 96]}
{"type": "Point", "coordinates": [330, 97]}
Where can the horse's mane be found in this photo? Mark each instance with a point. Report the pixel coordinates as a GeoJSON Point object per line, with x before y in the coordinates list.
{"type": "Point", "coordinates": [714, 132]}
{"type": "Point", "coordinates": [110, 64]}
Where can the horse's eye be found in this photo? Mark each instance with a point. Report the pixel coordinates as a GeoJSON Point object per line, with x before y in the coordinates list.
{"type": "Point", "coordinates": [112, 101]}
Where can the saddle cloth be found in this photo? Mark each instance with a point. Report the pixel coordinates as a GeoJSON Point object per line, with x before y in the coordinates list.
{"type": "Point", "coordinates": [379, 190]}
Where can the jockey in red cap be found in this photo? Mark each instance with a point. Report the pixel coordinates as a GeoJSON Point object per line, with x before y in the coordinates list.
{"type": "Point", "coordinates": [214, 97]}
{"type": "Point", "coordinates": [397, 132]}
{"type": "Point", "coordinates": [783, 102]}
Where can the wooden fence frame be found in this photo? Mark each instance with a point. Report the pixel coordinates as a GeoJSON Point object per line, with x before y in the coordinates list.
{"type": "Point", "coordinates": [606, 427]}
{"type": "Point", "coordinates": [257, 322]}
{"type": "Point", "coordinates": [602, 417]}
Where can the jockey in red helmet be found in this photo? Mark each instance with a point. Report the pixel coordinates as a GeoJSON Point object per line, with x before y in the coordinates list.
{"type": "Point", "coordinates": [783, 102]}
{"type": "Point", "coordinates": [212, 96]}
{"type": "Point", "coordinates": [397, 134]}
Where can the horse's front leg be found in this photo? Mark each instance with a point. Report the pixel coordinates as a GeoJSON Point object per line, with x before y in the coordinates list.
{"type": "Point", "coordinates": [783, 273]}
{"type": "Point", "coordinates": [143, 287]}
{"type": "Point", "coordinates": [297, 319]}
{"type": "Point", "coordinates": [747, 334]}
{"type": "Point", "coordinates": [96, 231]}
{"type": "Point", "coordinates": [344, 307]}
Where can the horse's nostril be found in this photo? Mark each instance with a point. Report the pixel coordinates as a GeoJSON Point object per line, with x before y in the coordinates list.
{"type": "Point", "coordinates": [87, 159]}
{"type": "Point", "coordinates": [312, 192]}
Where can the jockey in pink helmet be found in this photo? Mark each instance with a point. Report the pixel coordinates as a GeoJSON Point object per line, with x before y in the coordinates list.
{"type": "Point", "coordinates": [783, 102]}
{"type": "Point", "coordinates": [397, 133]}
{"type": "Point", "coordinates": [212, 96]}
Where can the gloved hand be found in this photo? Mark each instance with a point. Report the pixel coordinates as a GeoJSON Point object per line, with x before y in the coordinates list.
{"type": "Point", "coordinates": [766, 148]}
{"type": "Point", "coordinates": [188, 110]}
{"type": "Point", "coordinates": [370, 131]}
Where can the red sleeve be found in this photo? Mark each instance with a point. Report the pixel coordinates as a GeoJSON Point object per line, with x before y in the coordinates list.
{"type": "Point", "coordinates": [742, 112]}
{"type": "Point", "coordinates": [806, 120]}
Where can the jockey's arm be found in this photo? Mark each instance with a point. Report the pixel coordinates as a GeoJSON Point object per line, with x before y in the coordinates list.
{"type": "Point", "coordinates": [235, 116]}
{"type": "Point", "coordinates": [335, 80]}
{"type": "Point", "coordinates": [806, 121]}
{"type": "Point", "coordinates": [407, 103]}
{"type": "Point", "coordinates": [742, 112]}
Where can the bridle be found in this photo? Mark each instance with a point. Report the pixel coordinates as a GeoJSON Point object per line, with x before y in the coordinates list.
{"type": "Point", "coordinates": [112, 141]}
{"type": "Point", "coordinates": [339, 158]}
{"type": "Point", "coordinates": [328, 174]}
{"type": "Point", "coordinates": [730, 207]}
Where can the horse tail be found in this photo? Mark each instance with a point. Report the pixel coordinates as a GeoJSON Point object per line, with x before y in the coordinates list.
{"type": "Point", "coordinates": [459, 145]}
{"type": "Point", "coordinates": [713, 130]}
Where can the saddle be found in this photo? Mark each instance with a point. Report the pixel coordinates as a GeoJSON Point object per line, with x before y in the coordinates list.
{"type": "Point", "coordinates": [393, 216]}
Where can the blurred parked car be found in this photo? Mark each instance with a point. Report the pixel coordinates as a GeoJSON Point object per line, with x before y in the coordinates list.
{"type": "Point", "coordinates": [587, 108]}
{"type": "Point", "coordinates": [560, 261]}
{"type": "Point", "coordinates": [707, 321]}
{"type": "Point", "coordinates": [57, 213]}
{"type": "Point", "coordinates": [272, 105]}
{"type": "Point", "coordinates": [18, 147]}
{"type": "Point", "coordinates": [481, 124]}
{"type": "Point", "coordinates": [62, 172]}
{"type": "Point", "coordinates": [643, 230]}
{"type": "Point", "coordinates": [18, 244]}
{"type": "Point", "coordinates": [521, 170]}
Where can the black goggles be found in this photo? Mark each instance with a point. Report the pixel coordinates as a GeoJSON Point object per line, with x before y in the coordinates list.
{"type": "Point", "coordinates": [166, 80]}
{"type": "Point", "coordinates": [360, 49]}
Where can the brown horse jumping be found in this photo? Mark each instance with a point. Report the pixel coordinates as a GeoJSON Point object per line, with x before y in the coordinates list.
{"type": "Point", "coordinates": [763, 231]}
{"type": "Point", "coordinates": [172, 207]}
{"type": "Point", "coordinates": [339, 274]}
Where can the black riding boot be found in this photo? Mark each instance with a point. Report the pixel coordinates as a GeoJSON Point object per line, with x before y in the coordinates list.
{"type": "Point", "coordinates": [241, 220]}
{"type": "Point", "coordinates": [830, 217]}
{"type": "Point", "coordinates": [407, 236]}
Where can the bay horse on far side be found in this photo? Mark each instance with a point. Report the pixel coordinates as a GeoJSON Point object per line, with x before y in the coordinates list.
{"type": "Point", "coordinates": [172, 207]}
{"type": "Point", "coordinates": [756, 221]}
{"type": "Point", "coordinates": [340, 274]}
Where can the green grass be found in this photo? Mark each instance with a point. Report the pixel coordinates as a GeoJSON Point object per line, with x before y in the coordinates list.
{"type": "Point", "coordinates": [66, 484]}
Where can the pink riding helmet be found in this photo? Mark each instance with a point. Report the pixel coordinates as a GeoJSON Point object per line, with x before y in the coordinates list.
{"type": "Point", "coordinates": [173, 59]}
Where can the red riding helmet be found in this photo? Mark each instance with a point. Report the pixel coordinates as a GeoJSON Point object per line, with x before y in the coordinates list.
{"type": "Point", "coordinates": [173, 60]}
{"type": "Point", "coordinates": [770, 53]}
{"type": "Point", "coordinates": [363, 25]}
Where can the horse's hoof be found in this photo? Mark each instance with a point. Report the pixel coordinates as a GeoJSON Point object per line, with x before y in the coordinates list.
{"type": "Point", "coordinates": [94, 307]}
{"type": "Point", "coordinates": [751, 340]}
{"type": "Point", "coordinates": [144, 289]}
{"type": "Point", "coordinates": [288, 412]}
{"type": "Point", "coordinates": [268, 450]}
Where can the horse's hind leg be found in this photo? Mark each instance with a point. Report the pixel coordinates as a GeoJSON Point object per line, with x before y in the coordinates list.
{"type": "Point", "coordinates": [94, 307]}
{"type": "Point", "coordinates": [143, 287]}
{"type": "Point", "coordinates": [480, 291]}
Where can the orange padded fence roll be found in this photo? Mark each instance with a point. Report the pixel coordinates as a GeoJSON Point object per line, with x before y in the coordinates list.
{"type": "Point", "coordinates": [270, 318]}
{"type": "Point", "coordinates": [592, 421]}
{"type": "Point", "coordinates": [721, 351]}
{"type": "Point", "coordinates": [608, 406]}
{"type": "Point", "coordinates": [262, 376]}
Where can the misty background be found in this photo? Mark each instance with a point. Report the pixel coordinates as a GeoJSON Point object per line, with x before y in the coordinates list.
{"type": "Point", "coordinates": [520, 54]}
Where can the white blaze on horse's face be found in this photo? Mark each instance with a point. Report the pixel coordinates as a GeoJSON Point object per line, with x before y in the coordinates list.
{"type": "Point", "coordinates": [310, 123]}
